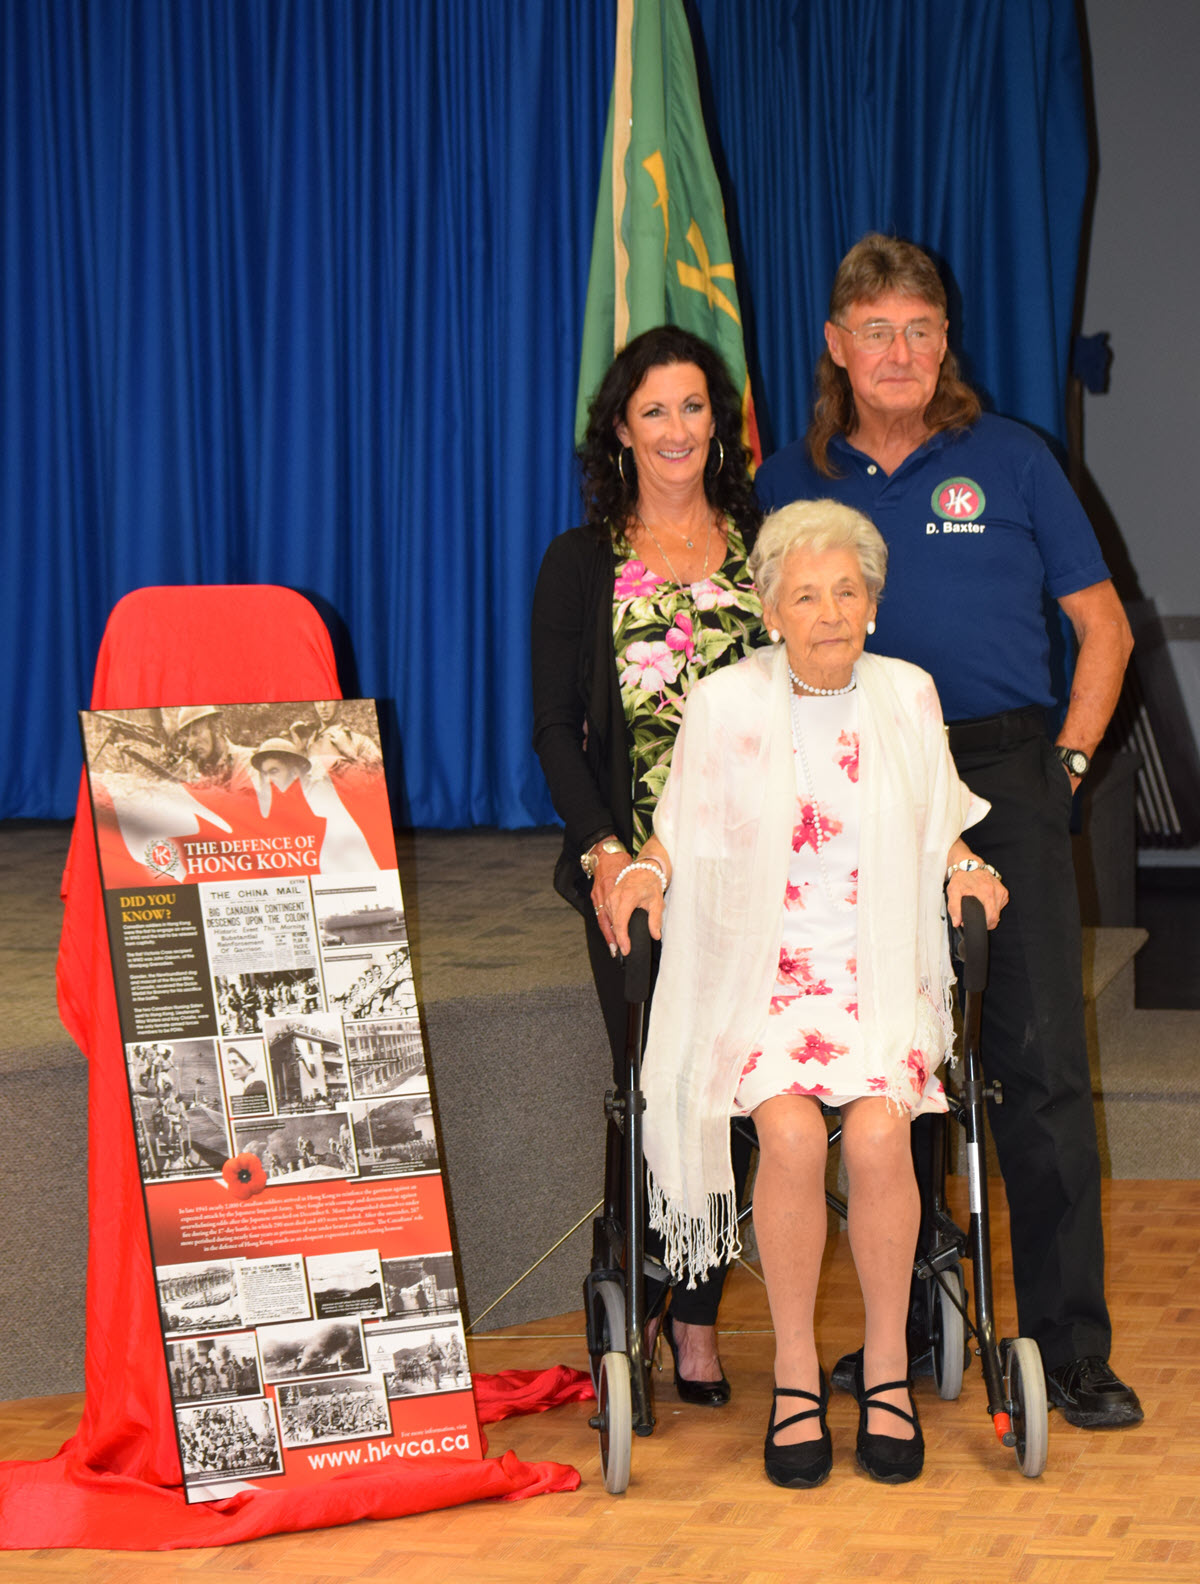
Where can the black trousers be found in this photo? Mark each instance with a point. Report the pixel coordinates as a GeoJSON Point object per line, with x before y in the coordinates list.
{"type": "Point", "coordinates": [1033, 1041]}
{"type": "Point", "coordinates": [698, 1305]}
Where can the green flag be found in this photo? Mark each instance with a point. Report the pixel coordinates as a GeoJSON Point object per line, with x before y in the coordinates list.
{"type": "Point", "coordinates": [660, 251]}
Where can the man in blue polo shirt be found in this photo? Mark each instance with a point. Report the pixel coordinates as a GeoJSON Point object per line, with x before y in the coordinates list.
{"type": "Point", "coordinates": [983, 531]}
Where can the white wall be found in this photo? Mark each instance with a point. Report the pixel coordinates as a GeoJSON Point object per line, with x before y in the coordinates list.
{"type": "Point", "coordinates": [1142, 439]}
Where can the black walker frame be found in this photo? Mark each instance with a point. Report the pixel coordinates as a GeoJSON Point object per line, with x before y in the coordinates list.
{"type": "Point", "coordinates": [624, 1286]}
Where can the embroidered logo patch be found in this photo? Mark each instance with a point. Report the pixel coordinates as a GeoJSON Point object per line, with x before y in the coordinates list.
{"type": "Point", "coordinates": [958, 499]}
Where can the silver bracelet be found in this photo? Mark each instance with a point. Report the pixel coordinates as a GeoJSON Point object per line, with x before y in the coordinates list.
{"type": "Point", "coordinates": [969, 864]}
{"type": "Point", "coordinates": [655, 868]}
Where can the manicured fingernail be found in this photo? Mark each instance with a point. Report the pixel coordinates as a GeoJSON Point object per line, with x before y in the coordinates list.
{"type": "Point", "coordinates": [612, 948]}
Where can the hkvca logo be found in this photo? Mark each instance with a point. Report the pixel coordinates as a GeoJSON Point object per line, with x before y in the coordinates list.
{"type": "Point", "coordinates": [958, 499]}
{"type": "Point", "coordinates": [164, 859]}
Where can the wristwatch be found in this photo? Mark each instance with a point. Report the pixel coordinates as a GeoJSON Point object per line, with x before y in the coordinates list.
{"type": "Point", "coordinates": [967, 865]}
{"type": "Point", "coordinates": [1075, 760]}
{"type": "Point", "coordinates": [589, 860]}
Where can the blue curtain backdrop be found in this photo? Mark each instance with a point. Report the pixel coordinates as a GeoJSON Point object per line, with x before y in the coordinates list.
{"type": "Point", "coordinates": [961, 126]}
{"type": "Point", "coordinates": [292, 291]}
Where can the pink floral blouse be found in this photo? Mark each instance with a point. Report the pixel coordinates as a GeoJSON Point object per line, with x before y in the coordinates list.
{"type": "Point", "coordinates": [666, 637]}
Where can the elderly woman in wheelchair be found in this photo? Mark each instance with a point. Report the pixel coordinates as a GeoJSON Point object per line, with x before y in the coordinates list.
{"type": "Point", "coordinates": [806, 852]}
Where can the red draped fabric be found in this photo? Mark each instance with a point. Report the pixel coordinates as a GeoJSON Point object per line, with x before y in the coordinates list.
{"type": "Point", "coordinates": [509, 1393]}
{"type": "Point", "coordinates": [116, 1483]}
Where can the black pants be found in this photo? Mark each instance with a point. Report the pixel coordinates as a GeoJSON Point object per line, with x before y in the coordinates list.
{"type": "Point", "coordinates": [698, 1305]}
{"type": "Point", "coordinates": [1033, 1041]}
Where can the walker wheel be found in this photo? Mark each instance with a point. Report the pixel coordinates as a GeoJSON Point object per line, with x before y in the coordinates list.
{"type": "Point", "coordinates": [949, 1331]}
{"type": "Point", "coordinates": [615, 1421]}
{"type": "Point", "coordinates": [608, 1325]}
{"type": "Point", "coordinates": [1025, 1389]}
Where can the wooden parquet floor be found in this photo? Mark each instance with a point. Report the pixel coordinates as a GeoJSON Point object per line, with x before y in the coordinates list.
{"type": "Point", "coordinates": [1115, 1508]}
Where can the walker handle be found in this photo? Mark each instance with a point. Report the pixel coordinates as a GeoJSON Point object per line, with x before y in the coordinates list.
{"type": "Point", "coordinates": [971, 945]}
{"type": "Point", "coordinates": [637, 964]}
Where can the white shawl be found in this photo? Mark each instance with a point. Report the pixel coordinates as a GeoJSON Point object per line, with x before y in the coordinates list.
{"type": "Point", "coordinates": [726, 818]}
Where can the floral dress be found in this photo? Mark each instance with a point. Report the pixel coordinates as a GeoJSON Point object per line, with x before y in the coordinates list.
{"type": "Point", "coordinates": [809, 1042]}
{"type": "Point", "coordinates": [666, 637]}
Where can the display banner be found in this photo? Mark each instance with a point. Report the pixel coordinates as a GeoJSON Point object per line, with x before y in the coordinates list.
{"type": "Point", "coordinates": [279, 1090]}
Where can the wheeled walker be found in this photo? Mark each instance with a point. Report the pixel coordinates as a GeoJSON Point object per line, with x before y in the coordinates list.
{"type": "Point", "coordinates": [616, 1288]}
{"type": "Point", "coordinates": [1012, 1366]}
{"type": "Point", "coordinates": [624, 1286]}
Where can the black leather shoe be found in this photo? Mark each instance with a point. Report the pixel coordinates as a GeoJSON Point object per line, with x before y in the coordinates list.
{"type": "Point", "coordinates": [803, 1464]}
{"type": "Point", "coordinates": [883, 1457]}
{"type": "Point", "coordinates": [701, 1394]}
{"type": "Point", "coordinates": [1088, 1394]}
{"type": "Point", "coordinates": [919, 1363]}
{"type": "Point", "coordinates": [845, 1371]}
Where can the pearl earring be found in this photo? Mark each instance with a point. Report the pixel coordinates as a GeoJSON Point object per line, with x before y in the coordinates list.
{"type": "Point", "coordinates": [870, 628]}
{"type": "Point", "coordinates": [773, 635]}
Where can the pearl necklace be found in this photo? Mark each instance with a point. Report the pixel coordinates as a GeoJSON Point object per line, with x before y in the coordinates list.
{"type": "Point", "coordinates": [808, 688]}
{"type": "Point", "coordinates": [674, 575]}
{"type": "Point", "coordinates": [839, 904]}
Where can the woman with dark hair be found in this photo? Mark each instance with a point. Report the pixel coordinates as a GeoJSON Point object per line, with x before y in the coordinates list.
{"type": "Point", "coordinates": [629, 610]}
{"type": "Point", "coordinates": [610, 479]}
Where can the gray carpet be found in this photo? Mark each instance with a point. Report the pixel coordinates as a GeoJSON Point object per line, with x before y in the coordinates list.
{"type": "Point", "coordinates": [519, 1061]}
{"type": "Point", "coordinates": [519, 1065]}
{"type": "Point", "coordinates": [43, 1102]}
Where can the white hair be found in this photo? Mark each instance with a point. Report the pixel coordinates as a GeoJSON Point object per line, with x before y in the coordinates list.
{"type": "Point", "coordinates": [817, 525]}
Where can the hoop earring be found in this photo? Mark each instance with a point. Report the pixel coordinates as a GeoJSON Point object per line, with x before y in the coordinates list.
{"type": "Point", "coordinates": [721, 454]}
{"type": "Point", "coordinates": [870, 628]}
{"type": "Point", "coordinates": [621, 465]}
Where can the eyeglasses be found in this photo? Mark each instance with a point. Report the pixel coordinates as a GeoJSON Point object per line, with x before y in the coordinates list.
{"type": "Point", "coordinates": [877, 337]}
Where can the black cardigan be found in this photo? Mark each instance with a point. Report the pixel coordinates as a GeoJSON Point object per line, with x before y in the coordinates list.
{"type": "Point", "coordinates": [575, 686]}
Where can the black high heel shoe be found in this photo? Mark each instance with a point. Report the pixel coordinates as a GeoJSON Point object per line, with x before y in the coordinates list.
{"type": "Point", "coordinates": [701, 1394]}
{"type": "Point", "coordinates": [883, 1457]}
{"type": "Point", "coordinates": [802, 1464]}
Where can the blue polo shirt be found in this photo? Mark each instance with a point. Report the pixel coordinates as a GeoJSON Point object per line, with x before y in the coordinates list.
{"type": "Point", "coordinates": [981, 526]}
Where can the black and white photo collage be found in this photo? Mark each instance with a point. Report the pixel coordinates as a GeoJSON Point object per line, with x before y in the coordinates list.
{"type": "Point", "coordinates": [335, 1337]}
{"type": "Point", "coordinates": [318, 1068]}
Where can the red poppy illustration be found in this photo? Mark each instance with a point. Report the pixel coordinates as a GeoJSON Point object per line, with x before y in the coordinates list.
{"type": "Point", "coordinates": [793, 897]}
{"type": "Point", "coordinates": [244, 1175]}
{"type": "Point", "coordinates": [817, 1048]}
{"type": "Point", "coordinates": [879, 1085]}
{"type": "Point", "coordinates": [851, 1007]}
{"type": "Point", "coordinates": [780, 1003]}
{"type": "Point", "coordinates": [751, 1063]}
{"type": "Point", "coordinates": [818, 1091]}
{"type": "Point", "coordinates": [918, 1066]}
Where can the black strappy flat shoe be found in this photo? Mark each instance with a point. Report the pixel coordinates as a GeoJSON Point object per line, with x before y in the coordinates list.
{"type": "Point", "coordinates": [883, 1457]}
{"type": "Point", "coordinates": [802, 1464]}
